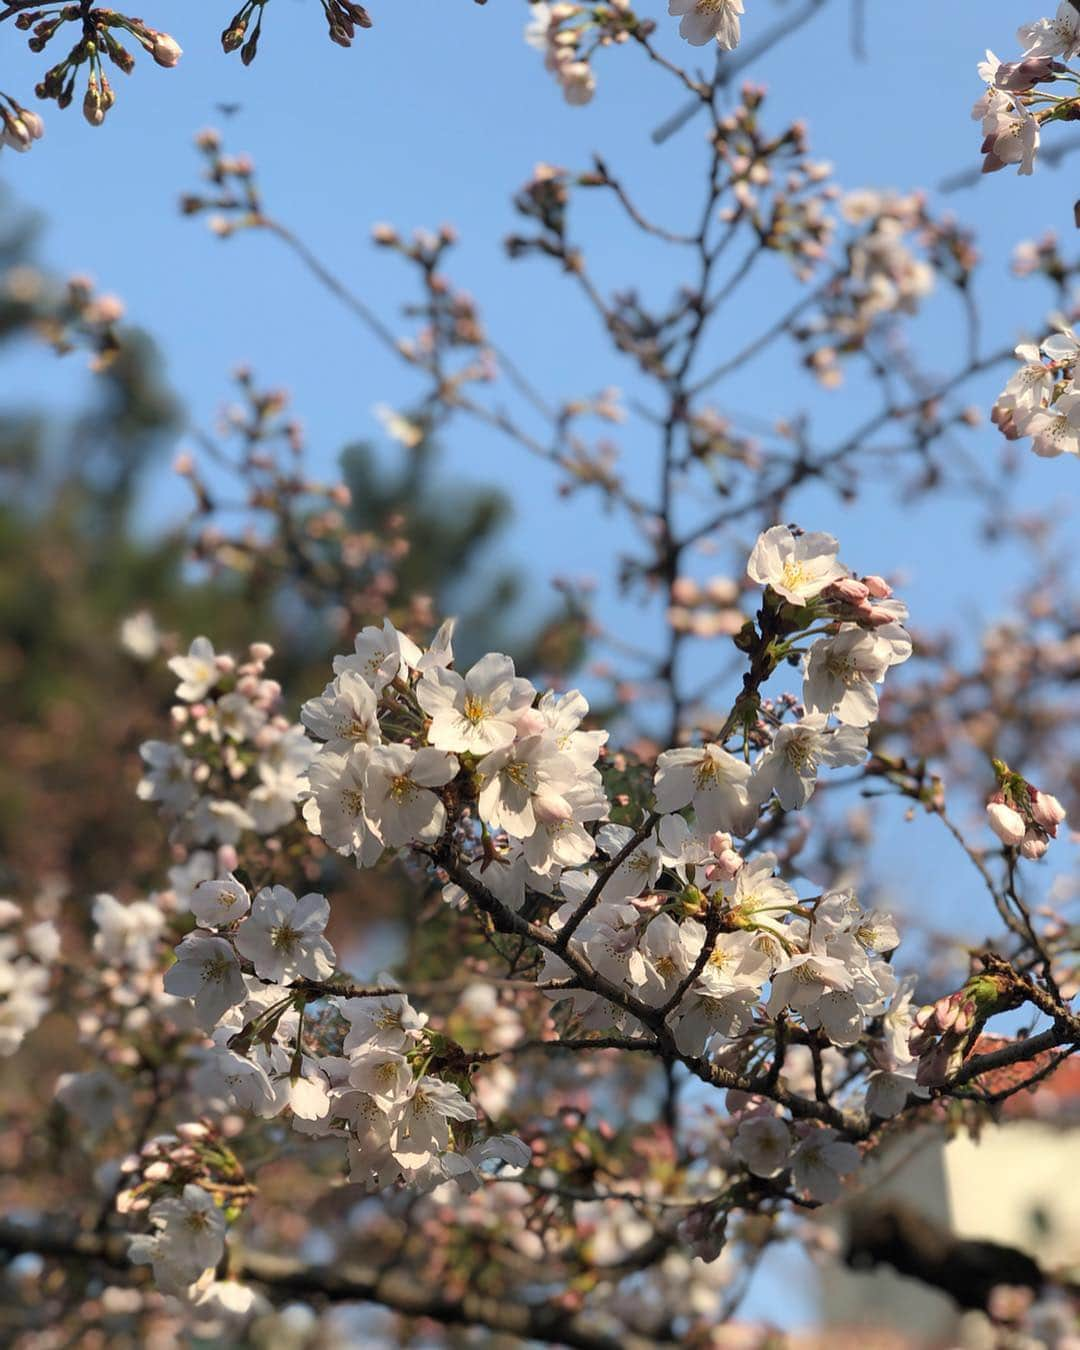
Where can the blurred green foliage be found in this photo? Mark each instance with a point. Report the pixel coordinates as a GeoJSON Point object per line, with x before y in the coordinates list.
{"type": "Point", "coordinates": [74, 562]}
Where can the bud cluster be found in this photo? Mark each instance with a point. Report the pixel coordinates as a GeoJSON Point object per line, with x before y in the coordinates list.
{"type": "Point", "coordinates": [1021, 815]}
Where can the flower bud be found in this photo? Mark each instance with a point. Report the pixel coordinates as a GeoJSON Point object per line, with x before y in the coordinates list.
{"type": "Point", "coordinates": [166, 51]}
{"type": "Point", "coordinates": [1018, 77]}
{"type": "Point", "coordinates": [685, 591]}
{"type": "Point", "coordinates": [1033, 846]}
{"type": "Point", "coordinates": [854, 592]}
{"type": "Point", "coordinates": [878, 587]}
{"type": "Point", "coordinates": [1046, 811]}
{"type": "Point", "coordinates": [1006, 823]}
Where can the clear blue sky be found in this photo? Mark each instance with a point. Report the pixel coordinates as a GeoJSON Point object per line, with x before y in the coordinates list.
{"type": "Point", "coordinates": [439, 114]}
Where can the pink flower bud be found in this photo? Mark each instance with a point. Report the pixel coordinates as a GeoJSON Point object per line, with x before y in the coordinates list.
{"type": "Point", "coordinates": [1034, 846]}
{"type": "Point", "coordinates": [1046, 811]}
{"type": "Point", "coordinates": [261, 652]}
{"type": "Point", "coordinates": [1006, 823]}
{"type": "Point", "coordinates": [1018, 77]}
{"type": "Point", "coordinates": [227, 858]}
{"type": "Point", "coordinates": [878, 587]}
{"type": "Point", "coordinates": [157, 1171]}
{"type": "Point", "coordinates": [166, 51]}
{"type": "Point", "coordinates": [722, 590]}
{"type": "Point", "coordinates": [945, 1013]}
{"type": "Point", "coordinates": [33, 123]}
{"type": "Point", "coordinates": [685, 591]}
{"type": "Point", "coordinates": [854, 592]}
{"type": "Point", "coordinates": [879, 617]}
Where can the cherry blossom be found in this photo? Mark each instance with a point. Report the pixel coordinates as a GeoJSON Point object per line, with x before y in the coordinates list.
{"type": "Point", "coordinates": [282, 936]}
{"type": "Point", "coordinates": [796, 566]}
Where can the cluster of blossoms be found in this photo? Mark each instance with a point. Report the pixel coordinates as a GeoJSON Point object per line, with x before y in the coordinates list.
{"type": "Point", "coordinates": [532, 770]}
{"type": "Point", "coordinates": [1041, 400]}
{"type": "Point", "coordinates": [1022, 815]}
{"type": "Point", "coordinates": [248, 971]}
{"type": "Point", "coordinates": [237, 765]}
{"type": "Point", "coordinates": [364, 1069]}
{"type": "Point", "coordinates": [27, 956]}
{"type": "Point", "coordinates": [885, 276]}
{"type": "Point", "coordinates": [568, 34]}
{"type": "Point", "coordinates": [680, 932]}
{"type": "Point", "coordinates": [510, 775]}
{"type": "Point", "coordinates": [1013, 108]}
{"type": "Point", "coordinates": [708, 610]}
{"type": "Point", "coordinates": [778, 187]}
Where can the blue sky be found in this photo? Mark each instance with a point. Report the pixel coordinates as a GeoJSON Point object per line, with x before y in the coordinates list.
{"type": "Point", "coordinates": [438, 114]}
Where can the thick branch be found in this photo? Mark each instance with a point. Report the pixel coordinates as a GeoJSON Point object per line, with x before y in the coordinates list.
{"type": "Point", "coordinates": [283, 1277]}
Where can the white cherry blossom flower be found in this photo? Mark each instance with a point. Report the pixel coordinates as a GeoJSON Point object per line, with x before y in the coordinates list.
{"type": "Point", "coordinates": [346, 712]}
{"type": "Point", "coordinates": [168, 777]}
{"type": "Point", "coordinates": [722, 1000]}
{"type": "Point", "coordinates": [387, 1022]}
{"type": "Point", "coordinates": [216, 903]}
{"type": "Point", "coordinates": [841, 672]}
{"type": "Point", "coordinates": [1054, 430]}
{"type": "Point", "coordinates": [802, 980]}
{"type": "Point", "coordinates": [475, 713]}
{"type": "Point", "coordinates": [764, 1145]}
{"type": "Point", "coordinates": [247, 1082]}
{"type": "Point", "coordinates": [190, 1240]}
{"type": "Point", "coordinates": [1031, 385]}
{"type": "Point", "coordinates": [1059, 36]}
{"type": "Point", "coordinates": [281, 767]}
{"type": "Point", "coordinates": [127, 935]}
{"type": "Point", "coordinates": [1010, 136]}
{"type": "Point", "coordinates": [712, 781]}
{"type": "Point", "coordinates": [94, 1097]}
{"type": "Point", "coordinates": [380, 655]}
{"type": "Point", "coordinates": [509, 1154]}
{"type": "Point", "coordinates": [140, 636]}
{"type": "Point", "coordinates": [207, 971]}
{"type": "Point", "coordinates": [197, 672]}
{"type": "Point", "coordinates": [560, 841]}
{"type": "Point", "coordinates": [638, 871]}
{"type": "Point", "coordinates": [216, 820]}
{"type": "Point", "coordinates": [335, 805]}
{"type": "Point", "coordinates": [238, 718]}
{"type": "Point", "coordinates": [422, 1129]}
{"type": "Point", "coordinates": [758, 898]}
{"type": "Point", "coordinates": [282, 936]}
{"type": "Point", "coordinates": [441, 650]}
{"type": "Point", "coordinates": [790, 766]}
{"type": "Point", "coordinates": [399, 800]}
{"type": "Point", "coordinates": [820, 1160]}
{"type": "Point", "coordinates": [798, 567]}
{"type": "Point", "coordinates": [308, 1091]}
{"type": "Point", "coordinates": [888, 1090]}
{"type": "Point", "coordinates": [669, 957]}
{"type": "Point", "coordinates": [383, 1074]}
{"type": "Point", "coordinates": [513, 777]}
{"type": "Point", "coordinates": [1062, 346]}
{"type": "Point", "coordinates": [563, 714]}
{"type": "Point", "coordinates": [704, 20]}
